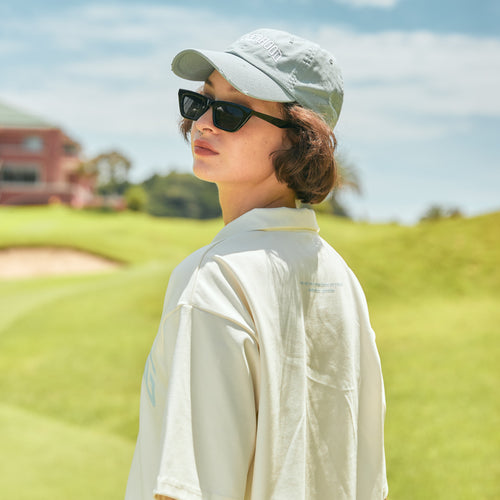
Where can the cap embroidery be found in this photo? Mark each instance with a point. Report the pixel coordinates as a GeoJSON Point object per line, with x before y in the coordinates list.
{"type": "Point", "coordinates": [266, 43]}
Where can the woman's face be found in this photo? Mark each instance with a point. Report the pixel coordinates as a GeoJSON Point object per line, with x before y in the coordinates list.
{"type": "Point", "coordinates": [236, 158]}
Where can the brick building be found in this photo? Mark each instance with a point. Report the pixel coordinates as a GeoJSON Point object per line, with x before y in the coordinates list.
{"type": "Point", "coordinates": [39, 163]}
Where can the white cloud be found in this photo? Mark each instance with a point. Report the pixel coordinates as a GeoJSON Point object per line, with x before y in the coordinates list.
{"type": "Point", "coordinates": [385, 4]}
{"type": "Point", "coordinates": [151, 25]}
{"type": "Point", "coordinates": [386, 74]}
{"type": "Point", "coordinates": [9, 47]}
{"type": "Point", "coordinates": [417, 84]}
{"type": "Point", "coordinates": [133, 91]}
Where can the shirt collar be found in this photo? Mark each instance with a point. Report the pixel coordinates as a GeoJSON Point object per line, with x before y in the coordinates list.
{"type": "Point", "coordinates": [271, 219]}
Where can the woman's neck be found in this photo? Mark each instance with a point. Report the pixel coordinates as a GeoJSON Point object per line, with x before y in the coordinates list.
{"type": "Point", "coordinates": [235, 200]}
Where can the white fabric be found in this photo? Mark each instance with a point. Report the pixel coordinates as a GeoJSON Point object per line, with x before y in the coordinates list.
{"type": "Point", "coordinates": [264, 381]}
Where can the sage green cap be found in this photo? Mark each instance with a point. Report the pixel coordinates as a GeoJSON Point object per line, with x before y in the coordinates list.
{"type": "Point", "coordinates": [272, 65]}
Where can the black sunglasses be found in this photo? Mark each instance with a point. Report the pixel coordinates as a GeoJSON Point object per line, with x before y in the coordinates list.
{"type": "Point", "coordinates": [227, 116]}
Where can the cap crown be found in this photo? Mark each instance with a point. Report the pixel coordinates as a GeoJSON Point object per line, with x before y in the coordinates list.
{"type": "Point", "coordinates": [307, 73]}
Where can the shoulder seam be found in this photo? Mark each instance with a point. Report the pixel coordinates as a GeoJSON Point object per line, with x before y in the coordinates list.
{"type": "Point", "coordinates": [197, 269]}
{"type": "Point", "coordinates": [212, 313]}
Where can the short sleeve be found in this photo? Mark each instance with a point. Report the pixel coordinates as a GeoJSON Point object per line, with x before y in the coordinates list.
{"type": "Point", "coordinates": [210, 414]}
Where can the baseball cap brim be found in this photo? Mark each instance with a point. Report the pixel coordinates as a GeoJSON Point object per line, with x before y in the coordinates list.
{"type": "Point", "coordinates": [197, 65]}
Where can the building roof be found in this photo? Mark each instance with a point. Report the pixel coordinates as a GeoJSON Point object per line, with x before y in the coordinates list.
{"type": "Point", "coordinates": [16, 118]}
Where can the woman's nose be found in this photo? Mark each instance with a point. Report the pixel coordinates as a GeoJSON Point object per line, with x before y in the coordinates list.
{"type": "Point", "coordinates": [205, 121]}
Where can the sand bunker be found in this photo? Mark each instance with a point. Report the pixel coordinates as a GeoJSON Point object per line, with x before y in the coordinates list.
{"type": "Point", "coordinates": [24, 262]}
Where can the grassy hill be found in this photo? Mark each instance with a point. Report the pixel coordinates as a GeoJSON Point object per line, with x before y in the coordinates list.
{"type": "Point", "coordinates": [72, 349]}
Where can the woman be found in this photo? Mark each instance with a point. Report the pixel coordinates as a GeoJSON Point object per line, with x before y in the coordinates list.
{"type": "Point", "coordinates": [264, 380]}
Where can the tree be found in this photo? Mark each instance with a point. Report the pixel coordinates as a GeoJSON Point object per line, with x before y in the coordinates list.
{"type": "Point", "coordinates": [437, 212]}
{"type": "Point", "coordinates": [136, 198]}
{"type": "Point", "coordinates": [112, 169]}
{"type": "Point", "coordinates": [181, 195]}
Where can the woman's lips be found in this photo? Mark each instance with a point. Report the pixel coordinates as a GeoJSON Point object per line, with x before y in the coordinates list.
{"type": "Point", "coordinates": [203, 148]}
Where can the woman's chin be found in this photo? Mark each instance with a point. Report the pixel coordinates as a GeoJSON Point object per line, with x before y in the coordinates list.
{"type": "Point", "coordinates": [203, 172]}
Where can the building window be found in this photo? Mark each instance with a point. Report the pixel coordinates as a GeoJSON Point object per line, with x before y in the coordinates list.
{"type": "Point", "coordinates": [19, 174]}
{"type": "Point", "coordinates": [33, 143]}
{"type": "Point", "coordinates": [70, 149]}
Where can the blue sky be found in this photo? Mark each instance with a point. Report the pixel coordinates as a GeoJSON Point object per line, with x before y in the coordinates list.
{"type": "Point", "coordinates": [421, 116]}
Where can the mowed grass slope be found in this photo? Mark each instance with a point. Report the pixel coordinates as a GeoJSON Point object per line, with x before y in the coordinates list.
{"type": "Point", "coordinates": [72, 349]}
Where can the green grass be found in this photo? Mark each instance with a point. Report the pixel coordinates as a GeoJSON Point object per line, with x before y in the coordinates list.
{"type": "Point", "coordinates": [46, 458]}
{"type": "Point", "coordinates": [440, 361]}
{"type": "Point", "coordinates": [72, 349]}
{"type": "Point", "coordinates": [452, 257]}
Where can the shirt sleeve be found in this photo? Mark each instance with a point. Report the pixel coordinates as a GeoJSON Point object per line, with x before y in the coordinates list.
{"type": "Point", "coordinates": [210, 413]}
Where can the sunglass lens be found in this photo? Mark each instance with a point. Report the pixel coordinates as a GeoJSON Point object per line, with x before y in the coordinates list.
{"type": "Point", "coordinates": [228, 117]}
{"type": "Point", "coordinates": [193, 106]}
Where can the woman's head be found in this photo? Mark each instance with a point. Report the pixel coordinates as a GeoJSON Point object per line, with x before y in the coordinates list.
{"type": "Point", "coordinates": [299, 82]}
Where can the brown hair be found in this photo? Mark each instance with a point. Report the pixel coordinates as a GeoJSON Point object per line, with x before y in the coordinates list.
{"type": "Point", "coordinates": [308, 166]}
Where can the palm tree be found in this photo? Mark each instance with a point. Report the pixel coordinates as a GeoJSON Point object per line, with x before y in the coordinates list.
{"type": "Point", "coordinates": [347, 180]}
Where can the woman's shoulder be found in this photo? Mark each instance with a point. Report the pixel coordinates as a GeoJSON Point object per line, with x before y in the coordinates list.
{"type": "Point", "coordinates": [206, 280]}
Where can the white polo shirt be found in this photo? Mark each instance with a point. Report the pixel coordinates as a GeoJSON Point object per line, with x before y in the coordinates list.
{"type": "Point", "coordinates": [264, 380]}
